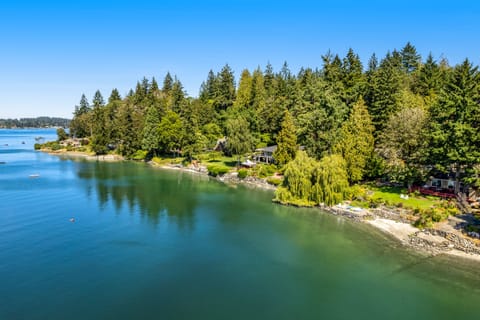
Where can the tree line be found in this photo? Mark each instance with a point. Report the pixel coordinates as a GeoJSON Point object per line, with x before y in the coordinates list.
{"type": "Point", "coordinates": [39, 122]}
{"type": "Point", "coordinates": [401, 117]}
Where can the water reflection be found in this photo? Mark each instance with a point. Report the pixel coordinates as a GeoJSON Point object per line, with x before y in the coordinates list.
{"type": "Point", "coordinates": [142, 190]}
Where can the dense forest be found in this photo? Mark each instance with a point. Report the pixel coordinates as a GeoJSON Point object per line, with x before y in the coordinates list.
{"type": "Point", "coordinates": [39, 122]}
{"type": "Point", "coordinates": [402, 118]}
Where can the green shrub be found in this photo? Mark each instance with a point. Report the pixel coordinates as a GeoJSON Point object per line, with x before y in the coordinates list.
{"type": "Point", "coordinates": [274, 181]}
{"type": "Point", "coordinates": [139, 155]}
{"type": "Point", "coordinates": [356, 192]}
{"type": "Point", "coordinates": [217, 169]}
{"type": "Point", "coordinates": [56, 146]}
{"type": "Point", "coordinates": [265, 170]}
{"type": "Point", "coordinates": [37, 146]}
{"type": "Point", "coordinates": [242, 173]}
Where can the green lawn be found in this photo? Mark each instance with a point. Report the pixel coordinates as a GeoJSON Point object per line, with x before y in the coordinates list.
{"type": "Point", "coordinates": [227, 161]}
{"type": "Point", "coordinates": [391, 195]}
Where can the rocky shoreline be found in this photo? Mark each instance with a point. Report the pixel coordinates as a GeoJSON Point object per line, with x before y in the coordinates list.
{"type": "Point", "coordinates": [397, 224]}
{"type": "Point", "coordinates": [431, 241]}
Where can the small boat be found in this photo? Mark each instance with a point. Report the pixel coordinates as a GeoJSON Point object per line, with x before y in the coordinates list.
{"type": "Point", "coordinates": [72, 219]}
{"type": "Point", "coordinates": [35, 175]}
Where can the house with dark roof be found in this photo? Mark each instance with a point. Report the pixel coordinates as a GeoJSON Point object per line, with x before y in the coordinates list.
{"type": "Point", "coordinates": [265, 154]}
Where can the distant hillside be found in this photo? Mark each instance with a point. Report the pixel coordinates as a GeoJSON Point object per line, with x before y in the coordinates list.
{"type": "Point", "coordinates": [39, 122]}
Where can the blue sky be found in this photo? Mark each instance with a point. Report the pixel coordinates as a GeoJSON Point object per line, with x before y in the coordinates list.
{"type": "Point", "coordinates": [53, 51]}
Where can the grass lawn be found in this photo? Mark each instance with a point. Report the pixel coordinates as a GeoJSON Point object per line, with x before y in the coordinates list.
{"type": "Point", "coordinates": [391, 195]}
{"type": "Point", "coordinates": [226, 161]}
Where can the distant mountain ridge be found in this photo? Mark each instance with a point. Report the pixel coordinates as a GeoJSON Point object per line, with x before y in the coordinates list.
{"type": "Point", "coordinates": [38, 122]}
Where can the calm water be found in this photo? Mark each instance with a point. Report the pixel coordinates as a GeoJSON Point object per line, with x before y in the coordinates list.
{"type": "Point", "coordinates": [155, 244]}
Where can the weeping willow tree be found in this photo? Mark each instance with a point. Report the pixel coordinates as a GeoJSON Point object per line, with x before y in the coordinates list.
{"type": "Point", "coordinates": [330, 180]}
{"type": "Point", "coordinates": [309, 182]}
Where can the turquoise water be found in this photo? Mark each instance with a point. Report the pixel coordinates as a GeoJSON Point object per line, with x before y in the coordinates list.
{"type": "Point", "coordinates": [158, 244]}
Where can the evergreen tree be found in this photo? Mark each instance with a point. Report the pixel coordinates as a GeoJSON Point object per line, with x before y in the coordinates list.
{"type": "Point", "coordinates": [167, 83]}
{"type": "Point", "coordinates": [83, 107]}
{"type": "Point", "coordinates": [127, 136]}
{"type": "Point", "coordinates": [154, 87]}
{"type": "Point", "coordinates": [428, 80]}
{"type": "Point", "coordinates": [286, 141]}
{"type": "Point", "coordinates": [151, 139]}
{"type": "Point", "coordinates": [387, 82]}
{"type": "Point", "coordinates": [410, 58]}
{"type": "Point", "coordinates": [208, 88]}
{"type": "Point", "coordinates": [114, 96]}
{"type": "Point", "coordinates": [454, 131]}
{"type": "Point", "coordinates": [177, 97]}
{"type": "Point", "coordinates": [269, 80]}
{"type": "Point", "coordinates": [356, 141]}
{"type": "Point", "coordinates": [98, 100]}
{"type": "Point", "coordinates": [80, 125]}
{"type": "Point", "coordinates": [244, 93]}
{"type": "Point", "coordinates": [225, 89]}
{"type": "Point", "coordinates": [352, 77]}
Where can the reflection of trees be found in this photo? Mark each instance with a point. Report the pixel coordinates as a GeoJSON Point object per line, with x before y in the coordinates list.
{"type": "Point", "coordinates": [150, 192]}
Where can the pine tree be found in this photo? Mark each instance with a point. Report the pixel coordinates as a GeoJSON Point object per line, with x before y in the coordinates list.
{"type": "Point", "coordinates": [454, 135]}
{"type": "Point", "coordinates": [388, 81]}
{"type": "Point", "coordinates": [80, 125]}
{"type": "Point", "coordinates": [352, 77]}
{"type": "Point", "coordinates": [410, 58]}
{"type": "Point", "coordinates": [151, 139]}
{"type": "Point", "coordinates": [428, 80]}
{"type": "Point", "coordinates": [356, 141]}
{"type": "Point", "coordinates": [98, 100]}
{"type": "Point", "coordinates": [244, 92]}
{"type": "Point", "coordinates": [114, 96]}
{"type": "Point", "coordinates": [225, 89]}
{"type": "Point", "coordinates": [127, 136]}
{"type": "Point", "coordinates": [208, 88]}
{"type": "Point", "coordinates": [83, 107]}
{"type": "Point", "coordinates": [167, 83]}
{"type": "Point", "coordinates": [286, 141]}
{"type": "Point", "coordinates": [154, 87]}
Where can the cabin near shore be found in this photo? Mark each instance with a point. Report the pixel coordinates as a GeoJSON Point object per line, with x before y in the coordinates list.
{"type": "Point", "coordinates": [265, 154]}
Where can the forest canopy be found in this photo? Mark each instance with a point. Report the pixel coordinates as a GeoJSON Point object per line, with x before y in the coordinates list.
{"type": "Point", "coordinates": [401, 117]}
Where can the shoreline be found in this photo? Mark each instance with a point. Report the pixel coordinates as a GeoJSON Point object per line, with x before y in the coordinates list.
{"type": "Point", "coordinates": [431, 241]}
{"type": "Point", "coordinates": [84, 155]}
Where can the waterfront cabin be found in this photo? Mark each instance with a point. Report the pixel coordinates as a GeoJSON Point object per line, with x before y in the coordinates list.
{"type": "Point", "coordinates": [265, 155]}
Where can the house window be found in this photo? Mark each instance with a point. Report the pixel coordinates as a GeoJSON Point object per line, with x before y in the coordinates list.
{"type": "Point", "coordinates": [436, 183]}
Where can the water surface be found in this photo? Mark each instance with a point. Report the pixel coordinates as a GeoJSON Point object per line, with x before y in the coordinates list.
{"type": "Point", "coordinates": [158, 244]}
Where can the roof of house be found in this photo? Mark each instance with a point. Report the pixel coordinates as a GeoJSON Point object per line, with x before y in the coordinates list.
{"type": "Point", "coordinates": [267, 149]}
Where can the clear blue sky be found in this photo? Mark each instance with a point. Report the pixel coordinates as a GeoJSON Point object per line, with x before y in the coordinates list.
{"type": "Point", "coordinates": [53, 51]}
